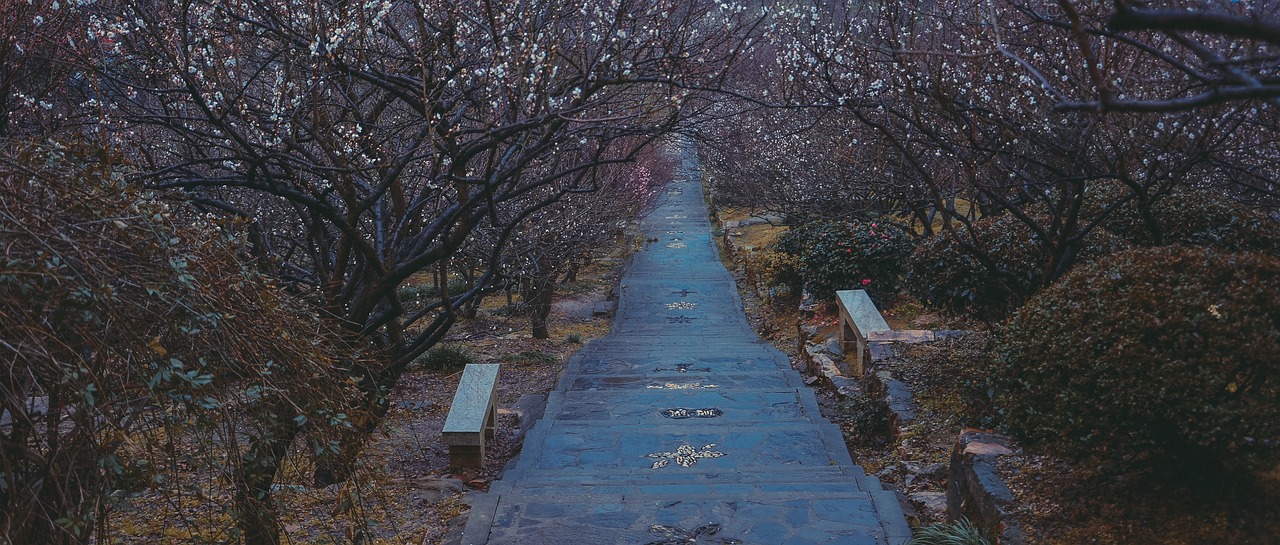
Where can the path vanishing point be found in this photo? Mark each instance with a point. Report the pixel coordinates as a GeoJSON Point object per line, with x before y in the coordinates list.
{"type": "Point", "coordinates": [682, 426]}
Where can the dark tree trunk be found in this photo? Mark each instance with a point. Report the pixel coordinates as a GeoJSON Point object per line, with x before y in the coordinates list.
{"type": "Point", "coordinates": [538, 297]}
{"type": "Point", "coordinates": [257, 514]}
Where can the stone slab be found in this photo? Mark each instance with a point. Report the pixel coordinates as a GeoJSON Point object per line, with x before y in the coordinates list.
{"type": "Point", "coordinates": [472, 401]}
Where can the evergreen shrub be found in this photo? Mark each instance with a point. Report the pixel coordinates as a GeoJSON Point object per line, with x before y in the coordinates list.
{"type": "Point", "coordinates": [944, 274]}
{"type": "Point", "coordinates": [838, 256]}
{"type": "Point", "coordinates": [1169, 353]}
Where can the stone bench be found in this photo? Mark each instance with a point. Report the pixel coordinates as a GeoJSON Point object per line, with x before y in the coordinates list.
{"type": "Point", "coordinates": [473, 417]}
{"type": "Point", "coordinates": [859, 319]}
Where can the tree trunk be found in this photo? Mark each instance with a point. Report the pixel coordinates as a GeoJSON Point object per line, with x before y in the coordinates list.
{"type": "Point", "coordinates": [257, 515]}
{"type": "Point", "coordinates": [339, 466]}
{"type": "Point", "coordinates": [538, 298]}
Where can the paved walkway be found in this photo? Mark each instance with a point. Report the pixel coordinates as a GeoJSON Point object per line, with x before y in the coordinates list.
{"type": "Point", "coordinates": [681, 426]}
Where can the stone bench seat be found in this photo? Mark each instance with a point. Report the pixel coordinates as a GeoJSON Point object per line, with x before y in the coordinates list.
{"type": "Point", "coordinates": [472, 418]}
{"type": "Point", "coordinates": [859, 319]}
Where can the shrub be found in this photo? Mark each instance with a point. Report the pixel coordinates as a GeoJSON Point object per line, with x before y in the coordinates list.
{"type": "Point", "coordinates": [837, 256]}
{"type": "Point", "coordinates": [447, 357]}
{"type": "Point", "coordinates": [777, 269]}
{"type": "Point", "coordinates": [573, 338]}
{"type": "Point", "coordinates": [943, 273]}
{"type": "Point", "coordinates": [960, 532]}
{"type": "Point", "coordinates": [1170, 352]}
{"type": "Point", "coordinates": [1190, 217]}
{"type": "Point", "coordinates": [865, 417]}
{"type": "Point", "coordinates": [531, 356]}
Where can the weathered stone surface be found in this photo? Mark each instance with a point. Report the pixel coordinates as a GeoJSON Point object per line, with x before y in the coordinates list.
{"type": "Point", "coordinates": [927, 470]}
{"type": "Point", "coordinates": [908, 336]}
{"type": "Point", "coordinates": [975, 489]}
{"type": "Point", "coordinates": [832, 347]}
{"type": "Point", "coordinates": [473, 400]}
{"type": "Point", "coordinates": [897, 395]}
{"type": "Point", "coordinates": [933, 505]}
{"type": "Point", "coordinates": [992, 449]}
{"type": "Point", "coordinates": [604, 465]}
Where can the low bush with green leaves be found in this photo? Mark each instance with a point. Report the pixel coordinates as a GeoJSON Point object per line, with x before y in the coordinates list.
{"type": "Point", "coordinates": [960, 532]}
{"type": "Point", "coordinates": [992, 268]}
{"type": "Point", "coordinates": [839, 256]}
{"type": "Point", "coordinates": [531, 356]}
{"type": "Point", "coordinates": [446, 357]}
{"type": "Point", "coordinates": [1187, 216]}
{"type": "Point", "coordinates": [1166, 355]}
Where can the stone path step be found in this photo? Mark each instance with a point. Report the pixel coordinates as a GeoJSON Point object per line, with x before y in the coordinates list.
{"type": "Point", "coordinates": [681, 426]}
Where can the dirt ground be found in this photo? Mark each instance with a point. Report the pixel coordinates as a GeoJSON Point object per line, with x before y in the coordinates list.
{"type": "Point", "coordinates": [404, 493]}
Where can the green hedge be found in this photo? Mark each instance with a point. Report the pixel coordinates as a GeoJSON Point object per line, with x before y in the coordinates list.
{"type": "Point", "coordinates": [838, 256]}
{"type": "Point", "coordinates": [943, 273]}
{"type": "Point", "coordinates": [1162, 353]}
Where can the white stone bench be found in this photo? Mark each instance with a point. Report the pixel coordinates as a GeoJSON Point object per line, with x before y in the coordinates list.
{"type": "Point", "coordinates": [473, 417]}
{"type": "Point", "coordinates": [860, 319]}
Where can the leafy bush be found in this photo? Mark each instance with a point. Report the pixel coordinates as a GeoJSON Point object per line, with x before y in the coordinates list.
{"type": "Point", "coordinates": [960, 532]}
{"type": "Point", "coordinates": [1170, 352]}
{"type": "Point", "coordinates": [446, 357]}
{"type": "Point", "coordinates": [838, 256]}
{"type": "Point", "coordinates": [1188, 216]}
{"type": "Point", "coordinates": [945, 274]}
{"type": "Point", "coordinates": [121, 312]}
{"type": "Point", "coordinates": [531, 356]}
{"type": "Point", "coordinates": [865, 417]}
{"type": "Point", "coordinates": [777, 269]}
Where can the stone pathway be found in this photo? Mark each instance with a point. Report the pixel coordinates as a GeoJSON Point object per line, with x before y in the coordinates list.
{"type": "Point", "coordinates": [682, 427]}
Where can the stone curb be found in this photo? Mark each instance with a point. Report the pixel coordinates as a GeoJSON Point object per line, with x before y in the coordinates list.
{"type": "Point", "coordinates": [975, 489]}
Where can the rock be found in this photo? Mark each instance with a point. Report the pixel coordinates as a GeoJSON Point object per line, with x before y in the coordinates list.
{"type": "Point", "coordinates": [908, 336]}
{"type": "Point", "coordinates": [827, 368]}
{"type": "Point", "coordinates": [813, 349]}
{"type": "Point", "coordinates": [927, 470]}
{"type": "Point", "coordinates": [909, 509]}
{"type": "Point", "coordinates": [993, 449]}
{"type": "Point", "coordinates": [902, 407]}
{"type": "Point", "coordinates": [832, 346]}
{"type": "Point", "coordinates": [809, 331]}
{"type": "Point", "coordinates": [441, 487]}
{"type": "Point", "coordinates": [603, 308]}
{"type": "Point", "coordinates": [949, 334]}
{"type": "Point", "coordinates": [933, 505]}
{"type": "Point", "coordinates": [456, 526]}
{"type": "Point", "coordinates": [528, 409]}
{"type": "Point", "coordinates": [975, 489]}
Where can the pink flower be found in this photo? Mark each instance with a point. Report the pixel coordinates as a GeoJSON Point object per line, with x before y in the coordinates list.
{"type": "Point", "coordinates": [866, 281]}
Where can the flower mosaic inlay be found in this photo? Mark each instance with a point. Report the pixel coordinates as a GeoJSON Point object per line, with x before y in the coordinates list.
{"type": "Point", "coordinates": [684, 368]}
{"type": "Point", "coordinates": [685, 386]}
{"type": "Point", "coordinates": [675, 535]}
{"type": "Point", "coordinates": [681, 412]}
{"type": "Point", "coordinates": [681, 305]}
{"type": "Point", "coordinates": [684, 456]}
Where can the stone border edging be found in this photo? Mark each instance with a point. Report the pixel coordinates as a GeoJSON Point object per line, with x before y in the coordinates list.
{"type": "Point", "coordinates": [975, 489]}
